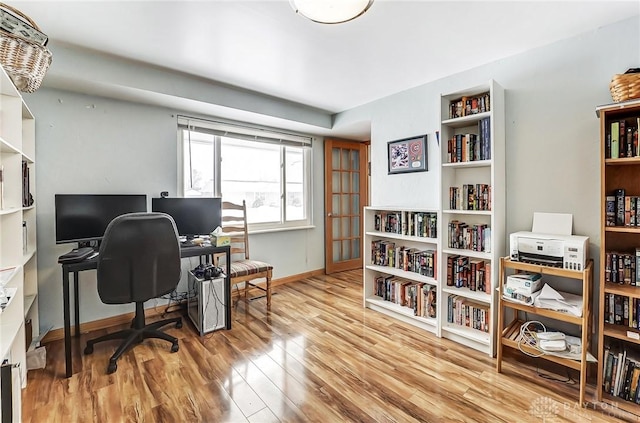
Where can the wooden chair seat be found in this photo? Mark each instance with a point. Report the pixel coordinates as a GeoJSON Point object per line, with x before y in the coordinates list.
{"type": "Point", "coordinates": [248, 268]}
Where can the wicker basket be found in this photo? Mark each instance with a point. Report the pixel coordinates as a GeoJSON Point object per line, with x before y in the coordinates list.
{"type": "Point", "coordinates": [625, 86]}
{"type": "Point", "coordinates": [25, 61]}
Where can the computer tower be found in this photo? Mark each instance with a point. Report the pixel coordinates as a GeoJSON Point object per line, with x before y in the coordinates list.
{"type": "Point", "coordinates": [206, 308]}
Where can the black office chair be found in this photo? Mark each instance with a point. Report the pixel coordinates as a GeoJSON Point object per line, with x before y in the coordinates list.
{"type": "Point", "coordinates": [139, 260]}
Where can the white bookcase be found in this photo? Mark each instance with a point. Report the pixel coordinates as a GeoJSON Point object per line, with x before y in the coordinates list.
{"type": "Point", "coordinates": [481, 170]}
{"type": "Point", "coordinates": [18, 261]}
{"type": "Point", "coordinates": [373, 271]}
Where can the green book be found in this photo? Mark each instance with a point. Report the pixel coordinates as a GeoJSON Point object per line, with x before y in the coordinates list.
{"type": "Point", "coordinates": [615, 140]}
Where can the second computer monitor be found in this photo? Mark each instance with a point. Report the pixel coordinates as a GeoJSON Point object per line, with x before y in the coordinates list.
{"type": "Point", "coordinates": [193, 216]}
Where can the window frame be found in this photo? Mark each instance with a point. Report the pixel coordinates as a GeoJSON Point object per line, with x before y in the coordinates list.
{"type": "Point", "coordinates": [241, 131]}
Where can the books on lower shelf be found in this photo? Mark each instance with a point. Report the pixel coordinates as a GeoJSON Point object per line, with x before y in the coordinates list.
{"type": "Point", "coordinates": [420, 297]}
{"type": "Point", "coordinates": [388, 253]}
{"type": "Point", "coordinates": [621, 372]}
{"type": "Point", "coordinates": [466, 272]}
{"type": "Point", "coordinates": [465, 312]}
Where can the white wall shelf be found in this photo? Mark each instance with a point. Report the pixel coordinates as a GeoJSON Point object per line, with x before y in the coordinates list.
{"type": "Point", "coordinates": [17, 254]}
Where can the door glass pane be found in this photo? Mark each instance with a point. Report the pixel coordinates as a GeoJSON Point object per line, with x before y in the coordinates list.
{"type": "Point", "coordinates": [355, 226]}
{"type": "Point", "coordinates": [344, 231]}
{"type": "Point", "coordinates": [346, 251]}
{"type": "Point", "coordinates": [355, 204]}
{"type": "Point", "coordinates": [346, 182]}
{"type": "Point", "coordinates": [345, 204]}
{"type": "Point", "coordinates": [335, 230]}
{"type": "Point", "coordinates": [346, 165]}
{"type": "Point", "coordinates": [355, 181]}
{"type": "Point", "coordinates": [355, 160]}
{"type": "Point", "coordinates": [355, 248]}
{"type": "Point", "coordinates": [335, 158]}
{"type": "Point", "coordinates": [335, 208]}
{"type": "Point", "coordinates": [335, 181]}
{"type": "Point", "coordinates": [336, 251]}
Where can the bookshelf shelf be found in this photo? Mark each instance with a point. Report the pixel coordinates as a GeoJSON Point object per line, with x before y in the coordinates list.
{"type": "Point", "coordinates": [622, 333]}
{"type": "Point", "coordinates": [479, 337]}
{"type": "Point", "coordinates": [472, 165]}
{"type": "Point", "coordinates": [18, 255]}
{"type": "Point", "coordinates": [480, 296]}
{"type": "Point", "coordinates": [388, 246]}
{"type": "Point", "coordinates": [509, 333]}
{"type": "Point", "coordinates": [619, 331]}
{"type": "Point", "coordinates": [475, 163]}
{"type": "Point", "coordinates": [469, 212]}
{"type": "Point", "coordinates": [622, 161]}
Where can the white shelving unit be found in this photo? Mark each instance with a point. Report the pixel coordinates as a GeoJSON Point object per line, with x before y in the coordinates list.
{"type": "Point", "coordinates": [18, 259]}
{"type": "Point", "coordinates": [371, 271]}
{"type": "Point", "coordinates": [487, 169]}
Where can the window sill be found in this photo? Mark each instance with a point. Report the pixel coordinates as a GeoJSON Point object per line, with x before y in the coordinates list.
{"type": "Point", "coordinates": [282, 229]}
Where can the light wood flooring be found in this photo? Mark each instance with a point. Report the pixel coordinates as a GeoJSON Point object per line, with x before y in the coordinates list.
{"type": "Point", "coordinates": [319, 356]}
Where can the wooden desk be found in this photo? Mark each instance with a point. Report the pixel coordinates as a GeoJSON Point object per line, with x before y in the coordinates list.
{"type": "Point", "coordinates": [91, 264]}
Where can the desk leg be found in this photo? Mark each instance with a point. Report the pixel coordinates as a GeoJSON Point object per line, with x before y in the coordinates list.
{"type": "Point", "coordinates": [76, 302]}
{"type": "Point", "coordinates": [227, 291]}
{"type": "Point", "coordinates": [67, 323]}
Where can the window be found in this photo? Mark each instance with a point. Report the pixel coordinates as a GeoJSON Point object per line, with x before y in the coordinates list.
{"type": "Point", "coordinates": [268, 169]}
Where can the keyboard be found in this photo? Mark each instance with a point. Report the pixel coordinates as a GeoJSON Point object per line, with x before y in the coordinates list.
{"type": "Point", "coordinates": [76, 255]}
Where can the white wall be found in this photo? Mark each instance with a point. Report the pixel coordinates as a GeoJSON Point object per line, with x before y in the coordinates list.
{"type": "Point", "coordinates": [89, 144]}
{"type": "Point", "coordinates": [552, 132]}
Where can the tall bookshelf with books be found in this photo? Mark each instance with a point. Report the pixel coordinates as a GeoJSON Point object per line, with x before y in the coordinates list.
{"type": "Point", "coordinates": [472, 215]}
{"type": "Point", "coordinates": [619, 301]}
{"type": "Point", "coordinates": [400, 264]}
{"type": "Point", "coordinates": [19, 322]}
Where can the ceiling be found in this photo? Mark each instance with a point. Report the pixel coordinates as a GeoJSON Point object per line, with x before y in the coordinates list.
{"type": "Point", "coordinates": [264, 46]}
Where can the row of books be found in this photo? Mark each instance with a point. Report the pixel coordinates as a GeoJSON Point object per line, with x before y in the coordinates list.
{"type": "Point", "coordinates": [469, 105]}
{"type": "Point", "coordinates": [420, 297]}
{"type": "Point", "coordinates": [421, 224]}
{"type": "Point", "coordinates": [475, 237]}
{"type": "Point", "coordinates": [470, 197]}
{"type": "Point", "coordinates": [622, 267]}
{"type": "Point", "coordinates": [622, 139]}
{"type": "Point", "coordinates": [27, 198]}
{"type": "Point", "coordinates": [621, 209]}
{"type": "Point", "coordinates": [386, 253]}
{"type": "Point", "coordinates": [622, 310]}
{"type": "Point", "coordinates": [471, 147]}
{"type": "Point", "coordinates": [621, 373]}
{"type": "Point", "coordinates": [465, 272]}
{"type": "Point", "coordinates": [464, 312]}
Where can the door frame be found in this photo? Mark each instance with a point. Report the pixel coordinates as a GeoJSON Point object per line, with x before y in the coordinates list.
{"type": "Point", "coordinates": [363, 146]}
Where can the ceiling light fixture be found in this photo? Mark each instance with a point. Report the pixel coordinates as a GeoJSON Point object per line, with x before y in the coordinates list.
{"type": "Point", "coordinates": [331, 11]}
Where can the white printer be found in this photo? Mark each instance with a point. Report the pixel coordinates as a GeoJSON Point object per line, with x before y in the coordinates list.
{"type": "Point", "coordinates": [567, 251]}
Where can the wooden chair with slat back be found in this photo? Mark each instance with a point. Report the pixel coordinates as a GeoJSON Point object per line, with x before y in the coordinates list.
{"type": "Point", "coordinates": [244, 269]}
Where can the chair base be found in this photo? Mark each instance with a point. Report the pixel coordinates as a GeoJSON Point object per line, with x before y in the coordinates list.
{"type": "Point", "coordinates": [137, 333]}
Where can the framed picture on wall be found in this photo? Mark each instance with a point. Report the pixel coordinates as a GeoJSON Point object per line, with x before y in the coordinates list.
{"type": "Point", "coordinates": [407, 155]}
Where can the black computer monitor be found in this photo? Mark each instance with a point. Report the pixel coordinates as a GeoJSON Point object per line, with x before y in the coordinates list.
{"type": "Point", "coordinates": [193, 216]}
{"type": "Point", "coordinates": [84, 217]}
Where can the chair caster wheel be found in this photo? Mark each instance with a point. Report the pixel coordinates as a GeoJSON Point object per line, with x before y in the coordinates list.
{"type": "Point", "coordinates": [179, 324]}
{"type": "Point", "coordinates": [175, 347]}
{"type": "Point", "coordinates": [113, 366]}
{"type": "Point", "coordinates": [88, 350]}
